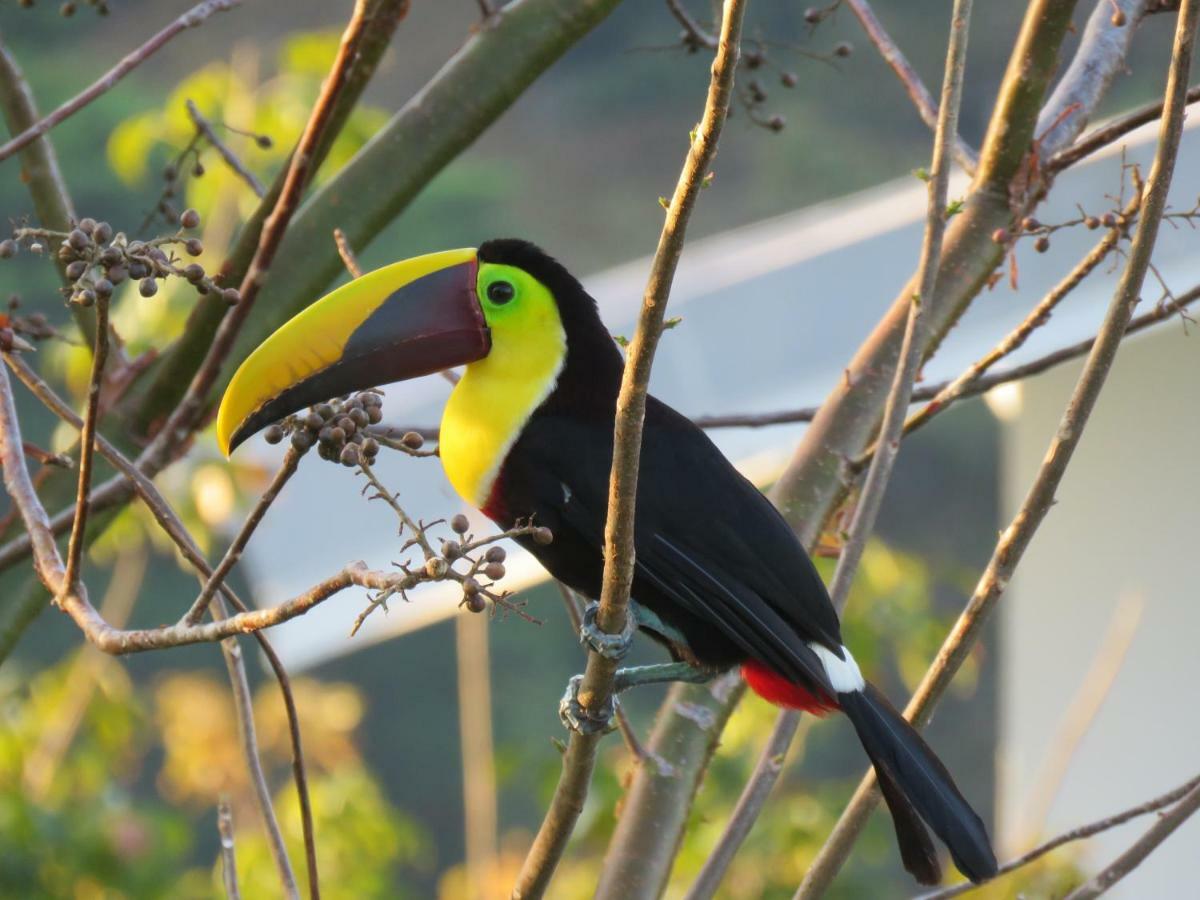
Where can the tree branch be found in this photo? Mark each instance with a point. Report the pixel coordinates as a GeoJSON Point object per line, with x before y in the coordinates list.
{"type": "Point", "coordinates": [862, 525]}
{"type": "Point", "coordinates": [596, 689]}
{"type": "Point", "coordinates": [204, 127]}
{"type": "Point", "coordinates": [228, 856]}
{"type": "Point", "coordinates": [1016, 538]}
{"type": "Point", "coordinates": [1075, 834]}
{"type": "Point", "coordinates": [196, 15]}
{"type": "Point", "coordinates": [915, 88]}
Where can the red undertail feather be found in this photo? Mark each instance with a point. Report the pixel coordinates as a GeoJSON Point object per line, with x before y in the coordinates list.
{"type": "Point", "coordinates": [774, 688]}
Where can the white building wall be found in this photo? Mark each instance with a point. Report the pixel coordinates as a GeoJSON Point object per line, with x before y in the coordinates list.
{"type": "Point", "coordinates": [1127, 523]}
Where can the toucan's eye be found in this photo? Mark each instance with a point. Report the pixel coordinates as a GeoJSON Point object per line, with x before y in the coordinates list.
{"type": "Point", "coordinates": [500, 292]}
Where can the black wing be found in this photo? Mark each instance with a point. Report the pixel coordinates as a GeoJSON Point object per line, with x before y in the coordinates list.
{"type": "Point", "coordinates": [707, 540]}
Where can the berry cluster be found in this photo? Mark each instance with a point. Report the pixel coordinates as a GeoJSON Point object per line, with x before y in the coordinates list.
{"type": "Point", "coordinates": [338, 429]}
{"type": "Point", "coordinates": [96, 259]}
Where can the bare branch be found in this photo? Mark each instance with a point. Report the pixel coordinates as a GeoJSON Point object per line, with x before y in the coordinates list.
{"type": "Point", "coordinates": [184, 416]}
{"type": "Point", "coordinates": [131, 61]}
{"type": "Point", "coordinates": [916, 335]}
{"type": "Point", "coordinates": [1110, 133]}
{"type": "Point", "coordinates": [596, 689]}
{"type": "Point", "coordinates": [204, 127]}
{"type": "Point", "coordinates": [228, 857]}
{"type": "Point", "coordinates": [917, 92]}
{"type": "Point", "coordinates": [694, 33]}
{"type": "Point", "coordinates": [1145, 845]}
{"type": "Point", "coordinates": [291, 460]}
{"type": "Point", "coordinates": [346, 252]}
{"type": "Point", "coordinates": [1099, 58]}
{"type": "Point", "coordinates": [87, 443]}
{"type": "Point", "coordinates": [1017, 337]}
{"type": "Point", "coordinates": [1075, 834]}
{"type": "Point", "coordinates": [1016, 538]}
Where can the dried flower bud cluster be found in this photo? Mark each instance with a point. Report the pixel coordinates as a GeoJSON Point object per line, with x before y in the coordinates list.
{"type": "Point", "coordinates": [96, 259]}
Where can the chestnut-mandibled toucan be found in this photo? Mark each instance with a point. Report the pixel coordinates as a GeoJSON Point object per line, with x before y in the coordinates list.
{"type": "Point", "coordinates": [721, 580]}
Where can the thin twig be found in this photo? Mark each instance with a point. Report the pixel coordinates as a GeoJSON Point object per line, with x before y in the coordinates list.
{"type": "Point", "coordinates": [1075, 834]}
{"type": "Point", "coordinates": [183, 418]}
{"type": "Point", "coordinates": [291, 460]}
{"type": "Point", "coordinates": [171, 524]}
{"type": "Point", "coordinates": [1017, 537]}
{"type": "Point", "coordinates": [966, 157]}
{"type": "Point", "coordinates": [205, 128]}
{"type": "Point", "coordinates": [87, 443]}
{"type": "Point", "coordinates": [228, 857]}
{"type": "Point", "coordinates": [596, 689]}
{"type": "Point", "coordinates": [1143, 847]}
{"type": "Point", "coordinates": [1016, 338]}
{"type": "Point", "coordinates": [109, 79]}
{"type": "Point", "coordinates": [862, 525]}
{"type": "Point", "coordinates": [1110, 133]}
{"type": "Point", "coordinates": [346, 252]}
{"type": "Point", "coordinates": [695, 35]}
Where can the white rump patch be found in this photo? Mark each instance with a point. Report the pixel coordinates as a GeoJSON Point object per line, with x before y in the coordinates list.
{"type": "Point", "coordinates": [843, 674]}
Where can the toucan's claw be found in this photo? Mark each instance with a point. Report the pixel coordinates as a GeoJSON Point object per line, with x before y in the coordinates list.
{"type": "Point", "coordinates": [583, 719]}
{"type": "Point", "coordinates": [610, 646]}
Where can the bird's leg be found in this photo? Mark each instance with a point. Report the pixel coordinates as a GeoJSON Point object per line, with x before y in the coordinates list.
{"type": "Point", "coordinates": [610, 646]}
{"type": "Point", "coordinates": [661, 673]}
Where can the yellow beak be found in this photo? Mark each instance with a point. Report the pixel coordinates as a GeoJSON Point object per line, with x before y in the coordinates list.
{"type": "Point", "coordinates": [405, 320]}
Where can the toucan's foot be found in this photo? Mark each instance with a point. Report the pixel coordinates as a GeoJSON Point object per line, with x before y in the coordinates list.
{"type": "Point", "coordinates": [583, 719]}
{"type": "Point", "coordinates": [610, 646]}
{"type": "Point", "coordinates": [661, 673]}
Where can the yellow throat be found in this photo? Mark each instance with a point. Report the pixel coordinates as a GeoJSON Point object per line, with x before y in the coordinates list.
{"type": "Point", "coordinates": [496, 395]}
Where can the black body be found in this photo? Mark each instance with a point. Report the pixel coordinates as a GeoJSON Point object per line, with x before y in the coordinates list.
{"type": "Point", "coordinates": [715, 561]}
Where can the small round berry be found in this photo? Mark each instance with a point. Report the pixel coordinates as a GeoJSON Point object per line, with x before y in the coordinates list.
{"type": "Point", "coordinates": [789, 79]}
{"type": "Point", "coordinates": [460, 524]}
{"type": "Point", "coordinates": [190, 218]}
{"type": "Point", "coordinates": [494, 571]}
{"type": "Point", "coordinates": [274, 433]}
{"type": "Point", "coordinates": [543, 536]}
{"type": "Point", "coordinates": [324, 410]}
{"type": "Point", "coordinates": [85, 297]}
{"type": "Point", "coordinates": [302, 440]}
{"type": "Point", "coordinates": [470, 586]}
{"type": "Point", "coordinates": [359, 417]}
{"type": "Point", "coordinates": [76, 269]}
{"type": "Point", "coordinates": [1029, 223]}
{"type": "Point", "coordinates": [374, 415]}
{"type": "Point", "coordinates": [436, 567]}
{"type": "Point", "coordinates": [87, 225]}
{"type": "Point", "coordinates": [1091, 223]}
{"type": "Point", "coordinates": [264, 141]}
{"type": "Point", "coordinates": [193, 247]}
{"type": "Point", "coordinates": [451, 550]}
{"type": "Point", "coordinates": [111, 256]}
{"type": "Point", "coordinates": [349, 455]}
{"type": "Point", "coordinates": [1118, 18]}
{"type": "Point", "coordinates": [776, 123]}
{"type": "Point", "coordinates": [1000, 236]}
{"type": "Point", "coordinates": [843, 49]}
{"type": "Point", "coordinates": [194, 272]}
{"type": "Point", "coordinates": [812, 15]}
{"type": "Point", "coordinates": [198, 169]}
{"type": "Point", "coordinates": [476, 602]}
{"type": "Point", "coordinates": [495, 554]}
{"type": "Point", "coordinates": [1108, 220]}
{"type": "Point", "coordinates": [313, 421]}
{"type": "Point", "coordinates": [347, 425]}
{"type": "Point", "coordinates": [337, 436]}
{"type": "Point", "coordinates": [754, 59]}
{"type": "Point", "coordinates": [78, 239]}
{"type": "Point", "coordinates": [117, 274]}
{"type": "Point", "coordinates": [8, 249]}
{"type": "Point", "coordinates": [1042, 244]}
{"type": "Point", "coordinates": [231, 296]}
{"type": "Point", "coordinates": [148, 287]}
{"type": "Point", "coordinates": [138, 269]}
{"type": "Point", "coordinates": [412, 440]}
{"type": "Point", "coordinates": [370, 448]}
{"type": "Point", "coordinates": [103, 288]}
{"type": "Point", "coordinates": [103, 233]}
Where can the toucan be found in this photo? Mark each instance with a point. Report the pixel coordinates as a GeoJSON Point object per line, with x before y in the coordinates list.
{"type": "Point", "coordinates": [527, 434]}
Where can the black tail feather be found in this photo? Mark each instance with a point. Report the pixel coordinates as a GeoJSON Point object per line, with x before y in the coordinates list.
{"type": "Point", "coordinates": [914, 782]}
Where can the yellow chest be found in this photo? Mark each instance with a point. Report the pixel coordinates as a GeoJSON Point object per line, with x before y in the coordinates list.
{"type": "Point", "coordinates": [490, 405]}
